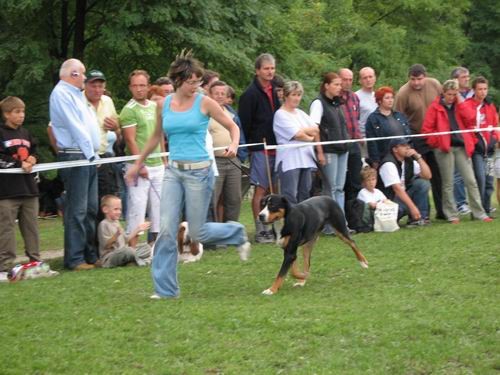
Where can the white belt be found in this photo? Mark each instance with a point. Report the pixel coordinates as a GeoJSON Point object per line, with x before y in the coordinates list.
{"type": "Point", "coordinates": [189, 166]}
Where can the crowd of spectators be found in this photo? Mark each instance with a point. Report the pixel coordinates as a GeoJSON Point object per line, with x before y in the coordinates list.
{"type": "Point", "coordinates": [403, 166]}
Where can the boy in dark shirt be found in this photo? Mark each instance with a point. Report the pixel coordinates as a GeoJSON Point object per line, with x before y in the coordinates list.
{"type": "Point", "coordinates": [18, 192]}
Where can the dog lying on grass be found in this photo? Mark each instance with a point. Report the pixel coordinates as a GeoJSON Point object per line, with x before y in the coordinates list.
{"type": "Point", "coordinates": [302, 225]}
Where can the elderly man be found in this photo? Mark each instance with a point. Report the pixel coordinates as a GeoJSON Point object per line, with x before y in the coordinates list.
{"type": "Point", "coordinates": [462, 75]}
{"type": "Point", "coordinates": [104, 108]}
{"type": "Point", "coordinates": [351, 109]}
{"type": "Point", "coordinates": [76, 131]}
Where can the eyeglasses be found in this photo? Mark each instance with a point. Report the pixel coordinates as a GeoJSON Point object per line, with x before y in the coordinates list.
{"type": "Point", "coordinates": [194, 82]}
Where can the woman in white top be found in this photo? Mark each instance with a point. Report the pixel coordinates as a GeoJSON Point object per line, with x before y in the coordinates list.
{"type": "Point", "coordinates": [293, 126]}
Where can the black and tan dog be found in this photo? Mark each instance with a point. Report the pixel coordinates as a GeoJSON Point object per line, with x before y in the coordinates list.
{"type": "Point", "coordinates": [303, 224]}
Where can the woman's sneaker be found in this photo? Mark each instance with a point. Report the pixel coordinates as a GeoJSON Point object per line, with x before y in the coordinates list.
{"type": "Point", "coordinates": [4, 277]}
{"type": "Point", "coordinates": [244, 251]}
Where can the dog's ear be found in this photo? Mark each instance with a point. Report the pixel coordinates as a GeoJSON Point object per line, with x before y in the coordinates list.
{"type": "Point", "coordinates": [180, 238]}
{"type": "Point", "coordinates": [263, 202]}
{"type": "Point", "coordinates": [285, 202]}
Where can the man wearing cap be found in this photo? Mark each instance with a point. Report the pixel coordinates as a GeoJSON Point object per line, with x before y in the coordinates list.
{"type": "Point", "coordinates": [76, 132]}
{"type": "Point", "coordinates": [405, 177]}
{"type": "Point", "coordinates": [104, 108]}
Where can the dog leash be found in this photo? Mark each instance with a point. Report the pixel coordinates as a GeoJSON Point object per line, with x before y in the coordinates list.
{"type": "Point", "coordinates": [244, 172]}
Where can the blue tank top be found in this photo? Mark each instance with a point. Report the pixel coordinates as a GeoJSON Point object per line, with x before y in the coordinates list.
{"type": "Point", "coordinates": [186, 131]}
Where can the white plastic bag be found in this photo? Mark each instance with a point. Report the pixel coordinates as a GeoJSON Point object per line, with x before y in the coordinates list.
{"type": "Point", "coordinates": [386, 217]}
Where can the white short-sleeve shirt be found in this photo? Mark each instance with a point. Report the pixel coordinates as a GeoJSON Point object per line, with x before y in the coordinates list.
{"type": "Point", "coordinates": [390, 176]}
{"type": "Point", "coordinates": [374, 196]}
{"type": "Point", "coordinates": [285, 126]}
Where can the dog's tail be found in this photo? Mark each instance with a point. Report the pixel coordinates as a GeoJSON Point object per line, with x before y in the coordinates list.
{"type": "Point", "coordinates": [181, 234]}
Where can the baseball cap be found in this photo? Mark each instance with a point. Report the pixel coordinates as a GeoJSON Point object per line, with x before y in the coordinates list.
{"type": "Point", "coordinates": [95, 75]}
{"type": "Point", "coordinates": [398, 141]}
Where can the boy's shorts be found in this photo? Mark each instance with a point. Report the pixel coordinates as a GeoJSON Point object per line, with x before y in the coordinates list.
{"type": "Point", "coordinates": [258, 169]}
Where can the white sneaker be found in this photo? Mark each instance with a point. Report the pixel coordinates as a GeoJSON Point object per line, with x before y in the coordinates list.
{"type": "Point", "coordinates": [155, 296]}
{"type": "Point", "coordinates": [3, 277]}
{"type": "Point", "coordinates": [244, 251]}
{"type": "Point", "coordinates": [464, 209]}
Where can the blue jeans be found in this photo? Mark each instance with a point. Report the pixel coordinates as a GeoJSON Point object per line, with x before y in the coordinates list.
{"type": "Point", "coordinates": [190, 191]}
{"type": "Point", "coordinates": [459, 189]}
{"type": "Point", "coordinates": [335, 172]}
{"type": "Point", "coordinates": [80, 212]}
{"type": "Point", "coordinates": [419, 194]}
{"type": "Point", "coordinates": [484, 180]}
{"type": "Point", "coordinates": [296, 184]}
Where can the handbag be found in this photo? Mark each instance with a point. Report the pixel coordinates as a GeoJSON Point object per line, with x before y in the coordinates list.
{"type": "Point", "coordinates": [386, 217]}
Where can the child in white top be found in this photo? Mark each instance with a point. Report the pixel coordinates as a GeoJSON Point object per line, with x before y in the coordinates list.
{"type": "Point", "coordinates": [370, 194]}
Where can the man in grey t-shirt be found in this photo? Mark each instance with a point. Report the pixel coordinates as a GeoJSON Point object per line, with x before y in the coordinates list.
{"type": "Point", "coordinates": [367, 103]}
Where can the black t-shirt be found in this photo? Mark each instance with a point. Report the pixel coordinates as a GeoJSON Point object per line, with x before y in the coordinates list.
{"type": "Point", "coordinates": [16, 145]}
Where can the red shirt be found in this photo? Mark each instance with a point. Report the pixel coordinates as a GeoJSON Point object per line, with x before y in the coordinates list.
{"type": "Point", "coordinates": [269, 92]}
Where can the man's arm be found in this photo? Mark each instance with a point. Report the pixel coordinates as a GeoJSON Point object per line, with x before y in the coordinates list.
{"type": "Point", "coordinates": [425, 171]}
{"type": "Point", "coordinates": [129, 134]}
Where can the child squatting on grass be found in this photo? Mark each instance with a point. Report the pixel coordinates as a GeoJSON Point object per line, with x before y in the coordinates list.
{"type": "Point", "coordinates": [18, 192]}
{"type": "Point", "coordinates": [114, 245]}
{"type": "Point", "coordinates": [370, 195]}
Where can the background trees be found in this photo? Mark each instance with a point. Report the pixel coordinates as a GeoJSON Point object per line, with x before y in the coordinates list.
{"type": "Point", "coordinates": [307, 37]}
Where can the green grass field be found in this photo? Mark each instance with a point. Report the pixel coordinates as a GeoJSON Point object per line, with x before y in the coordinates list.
{"type": "Point", "coordinates": [428, 304]}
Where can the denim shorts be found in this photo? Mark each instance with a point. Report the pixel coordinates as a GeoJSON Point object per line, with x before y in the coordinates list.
{"type": "Point", "coordinates": [258, 169]}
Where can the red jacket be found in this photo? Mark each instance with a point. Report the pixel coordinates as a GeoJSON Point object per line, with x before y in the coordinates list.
{"type": "Point", "coordinates": [436, 120]}
{"type": "Point", "coordinates": [469, 113]}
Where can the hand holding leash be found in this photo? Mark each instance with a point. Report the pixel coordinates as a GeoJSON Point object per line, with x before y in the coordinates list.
{"type": "Point", "coordinates": [230, 151]}
{"type": "Point", "coordinates": [132, 175]}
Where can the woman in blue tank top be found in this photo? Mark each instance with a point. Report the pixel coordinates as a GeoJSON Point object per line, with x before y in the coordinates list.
{"type": "Point", "coordinates": [189, 180]}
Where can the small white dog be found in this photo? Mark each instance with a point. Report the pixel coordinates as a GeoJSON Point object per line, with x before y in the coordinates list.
{"type": "Point", "coordinates": [189, 251]}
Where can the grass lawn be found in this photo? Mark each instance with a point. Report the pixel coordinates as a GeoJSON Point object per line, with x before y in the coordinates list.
{"type": "Point", "coordinates": [427, 304]}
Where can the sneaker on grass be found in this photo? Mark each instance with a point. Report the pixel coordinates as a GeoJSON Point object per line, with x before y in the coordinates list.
{"type": "Point", "coordinates": [265, 237]}
{"type": "Point", "coordinates": [244, 251]}
{"type": "Point", "coordinates": [416, 223]}
{"type": "Point", "coordinates": [464, 209]}
{"type": "Point", "coordinates": [4, 277]}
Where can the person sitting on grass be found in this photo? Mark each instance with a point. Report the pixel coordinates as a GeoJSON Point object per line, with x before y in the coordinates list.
{"type": "Point", "coordinates": [370, 194]}
{"type": "Point", "coordinates": [367, 199]}
{"type": "Point", "coordinates": [114, 245]}
{"type": "Point", "coordinates": [18, 192]}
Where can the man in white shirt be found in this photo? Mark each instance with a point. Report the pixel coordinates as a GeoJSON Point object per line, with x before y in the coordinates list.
{"type": "Point", "coordinates": [405, 176]}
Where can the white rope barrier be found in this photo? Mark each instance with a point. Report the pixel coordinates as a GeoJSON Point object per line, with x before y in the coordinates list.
{"type": "Point", "coordinates": [42, 167]}
{"type": "Point", "coordinates": [306, 144]}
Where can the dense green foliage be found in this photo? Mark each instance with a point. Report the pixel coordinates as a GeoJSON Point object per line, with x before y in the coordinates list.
{"type": "Point", "coordinates": [307, 37]}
